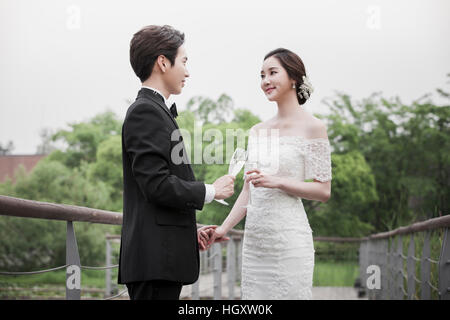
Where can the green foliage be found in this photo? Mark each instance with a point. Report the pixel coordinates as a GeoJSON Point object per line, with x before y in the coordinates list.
{"type": "Point", "coordinates": [406, 148]}
{"type": "Point", "coordinates": [91, 178]}
{"type": "Point", "coordinates": [108, 169]}
{"type": "Point", "coordinates": [210, 111]}
{"type": "Point", "coordinates": [84, 138]}
{"type": "Point", "coordinates": [243, 120]}
{"type": "Point", "coordinates": [348, 211]}
{"type": "Point", "coordinates": [52, 181]}
{"type": "Point", "coordinates": [390, 165]}
{"type": "Point", "coordinates": [335, 274]}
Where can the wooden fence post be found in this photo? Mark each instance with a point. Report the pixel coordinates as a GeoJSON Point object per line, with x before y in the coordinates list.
{"type": "Point", "coordinates": [217, 269]}
{"type": "Point", "coordinates": [411, 268]}
{"type": "Point", "coordinates": [108, 292]}
{"type": "Point", "coordinates": [444, 267]}
{"type": "Point", "coordinates": [399, 270]}
{"type": "Point", "coordinates": [391, 269]}
{"type": "Point", "coordinates": [195, 290]}
{"type": "Point", "coordinates": [425, 269]}
{"type": "Point", "coordinates": [231, 267]}
{"type": "Point", "coordinates": [384, 269]}
{"type": "Point", "coordinates": [73, 270]}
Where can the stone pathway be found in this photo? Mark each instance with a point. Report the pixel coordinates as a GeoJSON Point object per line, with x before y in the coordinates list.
{"type": "Point", "coordinates": [206, 287]}
{"type": "Point", "coordinates": [335, 293]}
{"type": "Point", "coordinates": [319, 293]}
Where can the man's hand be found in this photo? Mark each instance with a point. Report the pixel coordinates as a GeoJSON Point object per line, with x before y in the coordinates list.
{"type": "Point", "coordinates": [216, 235]}
{"type": "Point", "coordinates": [203, 235]}
{"type": "Point", "coordinates": [224, 187]}
{"type": "Point", "coordinates": [206, 236]}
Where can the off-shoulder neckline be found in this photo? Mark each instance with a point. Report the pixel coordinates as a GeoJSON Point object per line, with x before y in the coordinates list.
{"type": "Point", "coordinates": [287, 136]}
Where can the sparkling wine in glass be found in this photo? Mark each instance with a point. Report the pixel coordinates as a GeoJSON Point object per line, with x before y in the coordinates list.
{"type": "Point", "coordinates": [237, 161]}
{"type": "Point", "coordinates": [251, 165]}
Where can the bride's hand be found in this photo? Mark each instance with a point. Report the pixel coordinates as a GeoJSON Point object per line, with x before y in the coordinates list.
{"type": "Point", "coordinates": [262, 180]}
{"type": "Point", "coordinates": [217, 235]}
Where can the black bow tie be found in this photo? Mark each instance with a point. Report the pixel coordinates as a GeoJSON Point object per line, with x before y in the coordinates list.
{"type": "Point", "coordinates": [173, 110]}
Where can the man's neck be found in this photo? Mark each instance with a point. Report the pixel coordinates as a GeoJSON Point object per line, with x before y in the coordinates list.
{"type": "Point", "coordinates": [158, 86]}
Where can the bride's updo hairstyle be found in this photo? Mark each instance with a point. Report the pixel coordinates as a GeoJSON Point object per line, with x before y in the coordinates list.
{"type": "Point", "coordinates": [295, 68]}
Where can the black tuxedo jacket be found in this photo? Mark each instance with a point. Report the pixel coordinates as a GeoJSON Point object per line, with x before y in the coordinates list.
{"type": "Point", "coordinates": [159, 234]}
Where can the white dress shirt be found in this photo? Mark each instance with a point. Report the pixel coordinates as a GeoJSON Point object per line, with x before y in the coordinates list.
{"type": "Point", "coordinates": [210, 190]}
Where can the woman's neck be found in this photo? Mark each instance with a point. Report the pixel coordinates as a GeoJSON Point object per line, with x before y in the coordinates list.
{"type": "Point", "coordinates": [288, 107]}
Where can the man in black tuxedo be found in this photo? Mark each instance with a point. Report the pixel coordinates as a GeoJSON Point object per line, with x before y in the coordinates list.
{"type": "Point", "coordinates": [159, 249]}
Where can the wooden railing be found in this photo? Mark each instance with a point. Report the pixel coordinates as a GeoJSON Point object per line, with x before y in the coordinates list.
{"type": "Point", "coordinates": [10, 206]}
{"type": "Point", "coordinates": [376, 250]}
{"type": "Point", "coordinates": [385, 251]}
{"type": "Point", "coordinates": [211, 261]}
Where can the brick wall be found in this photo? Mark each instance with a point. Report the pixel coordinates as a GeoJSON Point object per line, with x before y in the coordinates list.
{"type": "Point", "coordinates": [10, 163]}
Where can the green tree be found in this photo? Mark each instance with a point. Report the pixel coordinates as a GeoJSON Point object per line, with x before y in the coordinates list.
{"type": "Point", "coordinates": [28, 244]}
{"type": "Point", "coordinates": [210, 111]}
{"type": "Point", "coordinates": [108, 169]}
{"type": "Point", "coordinates": [406, 147]}
{"type": "Point", "coordinates": [203, 114]}
{"type": "Point", "coordinates": [390, 165]}
{"type": "Point", "coordinates": [348, 212]}
{"type": "Point", "coordinates": [87, 173]}
{"type": "Point", "coordinates": [84, 138]}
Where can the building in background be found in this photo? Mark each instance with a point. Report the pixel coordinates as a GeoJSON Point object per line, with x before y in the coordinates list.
{"type": "Point", "coordinates": [10, 163]}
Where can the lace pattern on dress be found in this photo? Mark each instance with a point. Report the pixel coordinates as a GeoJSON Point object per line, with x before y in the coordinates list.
{"type": "Point", "coordinates": [316, 152]}
{"type": "Point", "coordinates": [278, 250]}
{"type": "Point", "coordinates": [318, 160]}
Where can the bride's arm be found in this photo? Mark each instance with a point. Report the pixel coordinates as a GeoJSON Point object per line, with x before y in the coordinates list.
{"type": "Point", "coordinates": [317, 165]}
{"type": "Point", "coordinates": [316, 190]}
{"type": "Point", "coordinates": [237, 213]}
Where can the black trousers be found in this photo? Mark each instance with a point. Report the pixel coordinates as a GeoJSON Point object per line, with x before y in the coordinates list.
{"type": "Point", "coordinates": [154, 290]}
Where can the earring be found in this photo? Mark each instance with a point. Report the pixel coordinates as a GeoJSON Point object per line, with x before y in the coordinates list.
{"type": "Point", "coordinates": [293, 85]}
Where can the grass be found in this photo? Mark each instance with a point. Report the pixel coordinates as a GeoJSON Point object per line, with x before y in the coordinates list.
{"type": "Point", "coordinates": [52, 284]}
{"type": "Point", "coordinates": [341, 274]}
{"type": "Point", "coordinates": [89, 278]}
{"type": "Point", "coordinates": [335, 274]}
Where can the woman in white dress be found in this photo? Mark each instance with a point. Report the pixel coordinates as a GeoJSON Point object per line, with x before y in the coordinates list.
{"type": "Point", "coordinates": [278, 250]}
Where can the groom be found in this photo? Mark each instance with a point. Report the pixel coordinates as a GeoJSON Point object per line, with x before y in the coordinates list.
{"type": "Point", "coordinates": [159, 250]}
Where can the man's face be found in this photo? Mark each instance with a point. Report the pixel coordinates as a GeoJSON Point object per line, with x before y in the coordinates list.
{"type": "Point", "coordinates": [176, 75]}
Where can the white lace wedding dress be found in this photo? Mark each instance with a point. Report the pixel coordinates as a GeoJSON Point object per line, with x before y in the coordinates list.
{"type": "Point", "coordinates": [278, 250]}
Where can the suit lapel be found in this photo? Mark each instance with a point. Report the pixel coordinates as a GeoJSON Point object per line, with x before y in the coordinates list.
{"type": "Point", "coordinates": [147, 93]}
{"type": "Point", "coordinates": [150, 95]}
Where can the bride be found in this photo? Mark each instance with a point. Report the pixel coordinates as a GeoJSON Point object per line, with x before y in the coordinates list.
{"type": "Point", "coordinates": [278, 250]}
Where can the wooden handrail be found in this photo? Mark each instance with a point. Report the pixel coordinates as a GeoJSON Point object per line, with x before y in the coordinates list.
{"type": "Point", "coordinates": [10, 206]}
{"type": "Point", "coordinates": [431, 224]}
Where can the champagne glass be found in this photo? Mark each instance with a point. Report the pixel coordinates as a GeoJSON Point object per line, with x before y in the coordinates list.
{"type": "Point", "coordinates": [237, 161]}
{"type": "Point", "coordinates": [251, 166]}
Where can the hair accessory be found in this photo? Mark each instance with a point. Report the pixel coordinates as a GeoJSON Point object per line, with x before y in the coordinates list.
{"type": "Point", "coordinates": [305, 89]}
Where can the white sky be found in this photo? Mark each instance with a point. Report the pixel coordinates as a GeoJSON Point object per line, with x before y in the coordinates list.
{"type": "Point", "coordinates": [57, 68]}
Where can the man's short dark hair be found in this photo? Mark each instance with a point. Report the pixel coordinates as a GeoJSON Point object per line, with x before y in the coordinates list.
{"type": "Point", "coordinates": [149, 43]}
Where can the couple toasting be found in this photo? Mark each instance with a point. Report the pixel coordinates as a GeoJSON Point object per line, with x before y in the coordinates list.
{"type": "Point", "coordinates": [160, 243]}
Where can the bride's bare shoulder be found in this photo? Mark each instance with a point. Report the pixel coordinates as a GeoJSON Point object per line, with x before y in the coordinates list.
{"type": "Point", "coordinates": [317, 129]}
{"type": "Point", "coordinates": [264, 125]}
